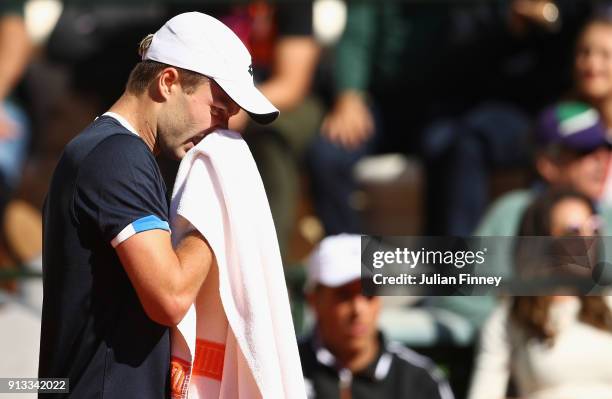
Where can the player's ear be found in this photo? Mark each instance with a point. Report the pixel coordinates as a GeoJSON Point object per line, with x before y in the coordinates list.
{"type": "Point", "coordinates": [167, 83]}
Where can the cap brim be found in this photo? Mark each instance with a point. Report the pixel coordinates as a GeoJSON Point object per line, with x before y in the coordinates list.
{"type": "Point", "coordinates": [249, 98]}
{"type": "Point", "coordinates": [586, 142]}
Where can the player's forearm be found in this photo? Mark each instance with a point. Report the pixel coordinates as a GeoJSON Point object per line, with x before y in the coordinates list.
{"type": "Point", "coordinates": [166, 281]}
{"type": "Point", "coordinates": [15, 51]}
{"type": "Point", "coordinates": [195, 260]}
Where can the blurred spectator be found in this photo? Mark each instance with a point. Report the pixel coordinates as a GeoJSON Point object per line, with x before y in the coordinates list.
{"type": "Point", "coordinates": [386, 72]}
{"type": "Point", "coordinates": [15, 51]}
{"type": "Point", "coordinates": [571, 151]}
{"type": "Point", "coordinates": [21, 326]}
{"type": "Point", "coordinates": [347, 356]}
{"type": "Point", "coordinates": [422, 77]}
{"type": "Point", "coordinates": [593, 64]}
{"type": "Point", "coordinates": [593, 74]}
{"type": "Point", "coordinates": [493, 135]}
{"type": "Point", "coordinates": [534, 339]}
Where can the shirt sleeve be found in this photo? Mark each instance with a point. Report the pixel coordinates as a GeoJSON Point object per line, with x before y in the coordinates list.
{"type": "Point", "coordinates": [11, 7]}
{"type": "Point", "coordinates": [354, 52]}
{"type": "Point", "coordinates": [119, 190]}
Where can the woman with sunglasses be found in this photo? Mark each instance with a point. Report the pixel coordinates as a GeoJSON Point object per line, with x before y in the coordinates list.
{"type": "Point", "coordinates": [551, 347]}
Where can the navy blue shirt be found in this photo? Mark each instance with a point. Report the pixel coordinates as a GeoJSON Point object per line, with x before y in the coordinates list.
{"type": "Point", "coordinates": [105, 188]}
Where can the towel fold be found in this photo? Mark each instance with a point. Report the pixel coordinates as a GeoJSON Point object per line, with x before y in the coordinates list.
{"type": "Point", "coordinates": [237, 340]}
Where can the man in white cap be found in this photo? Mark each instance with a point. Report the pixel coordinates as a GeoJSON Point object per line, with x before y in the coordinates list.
{"type": "Point", "coordinates": [112, 281]}
{"type": "Point", "coordinates": [347, 356]}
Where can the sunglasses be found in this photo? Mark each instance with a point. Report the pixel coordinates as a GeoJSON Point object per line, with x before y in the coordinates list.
{"type": "Point", "coordinates": [591, 227]}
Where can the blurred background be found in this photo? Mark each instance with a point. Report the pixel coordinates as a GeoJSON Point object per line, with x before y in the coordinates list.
{"type": "Point", "coordinates": [419, 117]}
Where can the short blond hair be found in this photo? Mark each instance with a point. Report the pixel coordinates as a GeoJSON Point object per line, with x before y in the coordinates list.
{"type": "Point", "coordinates": [144, 45]}
{"type": "Point", "coordinates": [147, 70]}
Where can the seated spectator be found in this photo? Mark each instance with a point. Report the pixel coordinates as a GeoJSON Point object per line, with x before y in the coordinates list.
{"type": "Point", "coordinates": [390, 76]}
{"type": "Point", "coordinates": [420, 77]}
{"type": "Point", "coordinates": [571, 151]}
{"type": "Point", "coordinates": [15, 51]}
{"type": "Point", "coordinates": [593, 75]}
{"type": "Point", "coordinates": [535, 340]}
{"type": "Point", "coordinates": [347, 356]}
{"type": "Point", "coordinates": [492, 136]}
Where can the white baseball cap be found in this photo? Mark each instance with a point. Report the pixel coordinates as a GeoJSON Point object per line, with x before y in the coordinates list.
{"type": "Point", "coordinates": [203, 44]}
{"type": "Point", "coordinates": [335, 261]}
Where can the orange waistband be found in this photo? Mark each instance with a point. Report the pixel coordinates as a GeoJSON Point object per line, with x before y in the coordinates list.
{"type": "Point", "coordinates": [179, 377]}
{"type": "Point", "coordinates": [209, 359]}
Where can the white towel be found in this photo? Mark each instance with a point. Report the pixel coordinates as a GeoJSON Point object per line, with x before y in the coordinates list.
{"type": "Point", "coordinates": [241, 321]}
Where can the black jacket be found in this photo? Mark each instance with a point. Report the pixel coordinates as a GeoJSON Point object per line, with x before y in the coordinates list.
{"type": "Point", "coordinates": [397, 372]}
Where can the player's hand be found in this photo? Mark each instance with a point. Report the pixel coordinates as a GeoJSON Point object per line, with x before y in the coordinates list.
{"type": "Point", "coordinates": [350, 122]}
{"type": "Point", "coordinates": [8, 129]}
